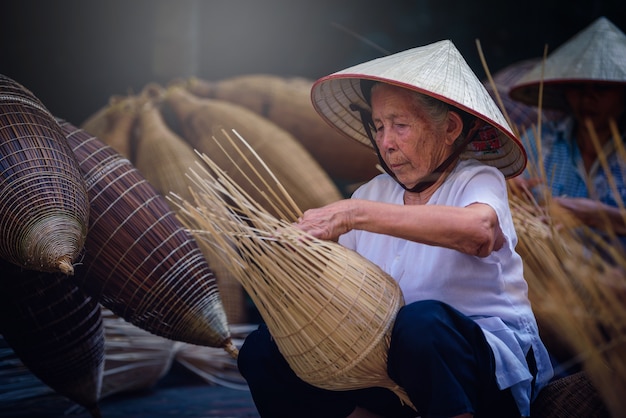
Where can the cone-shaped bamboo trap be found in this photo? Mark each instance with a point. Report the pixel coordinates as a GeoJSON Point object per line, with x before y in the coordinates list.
{"type": "Point", "coordinates": [329, 309]}
{"type": "Point", "coordinates": [114, 124]}
{"type": "Point", "coordinates": [44, 209]}
{"type": "Point", "coordinates": [139, 260]}
{"type": "Point", "coordinates": [286, 101]}
{"type": "Point", "coordinates": [163, 158]}
{"type": "Point", "coordinates": [56, 331]}
{"type": "Point", "coordinates": [199, 119]}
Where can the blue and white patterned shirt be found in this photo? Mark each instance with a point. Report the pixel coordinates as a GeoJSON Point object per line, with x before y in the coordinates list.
{"type": "Point", "coordinates": [563, 165]}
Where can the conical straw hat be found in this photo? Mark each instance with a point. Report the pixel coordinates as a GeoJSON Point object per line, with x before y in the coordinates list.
{"type": "Point", "coordinates": [596, 54]}
{"type": "Point", "coordinates": [437, 70]}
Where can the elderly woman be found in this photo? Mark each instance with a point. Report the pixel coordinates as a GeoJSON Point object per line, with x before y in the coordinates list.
{"type": "Point", "coordinates": [466, 342]}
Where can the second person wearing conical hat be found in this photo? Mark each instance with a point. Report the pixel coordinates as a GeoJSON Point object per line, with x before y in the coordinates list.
{"type": "Point", "coordinates": [438, 221]}
{"type": "Point", "coordinates": [585, 78]}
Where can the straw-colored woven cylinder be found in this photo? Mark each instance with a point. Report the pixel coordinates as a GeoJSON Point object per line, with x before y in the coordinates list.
{"type": "Point", "coordinates": [139, 261]}
{"type": "Point", "coordinates": [330, 310]}
{"type": "Point", "coordinates": [114, 123]}
{"type": "Point", "coordinates": [286, 101]}
{"type": "Point", "coordinates": [199, 119]}
{"type": "Point", "coordinates": [44, 209]}
{"type": "Point", "coordinates": [56, 331]}
{"type": "Point", "coordinates": [164, 158]}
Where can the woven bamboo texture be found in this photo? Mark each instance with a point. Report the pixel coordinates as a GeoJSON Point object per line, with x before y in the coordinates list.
{"type": "Point", "coordinates": [113, 124]}
{"type": "Point", "coordinates": [578, 297]}
{"type": "Point", "coordinates": [163, 157]}
{"type": "Point", "coordinates": [200, 119]}
{"type": "Point", "coordinates": [124, 126]}
{"type": "Point", "coordinates": [44, 208]}
{"type": "Point", "coordinates": [329, 310]}
{"type": "Point", "coordinates": [139, 260]}
{"type": "Point", "coordinates": [56, 330]}
{"type": "Point", "coordinates": [569, 397]}
{"type": "Point", "coordinates": [286, 101]}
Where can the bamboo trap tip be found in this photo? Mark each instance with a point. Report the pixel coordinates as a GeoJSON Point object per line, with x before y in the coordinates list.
{"type": "Point", "coordinates": [65, 266]}
{"type": "Point", "coordinates": [231, 349]}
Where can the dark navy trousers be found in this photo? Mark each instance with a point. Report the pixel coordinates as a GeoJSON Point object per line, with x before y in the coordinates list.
{"type": "Point", "coordinates": [437, 354]}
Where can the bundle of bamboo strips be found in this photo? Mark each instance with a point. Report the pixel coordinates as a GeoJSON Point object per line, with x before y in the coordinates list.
{"type": "Point", "coordinates": [576, 281]}
{"type": "Point", "coordinates": [329, 310]}
{"type": "Point", "coordinates": [114, 124]}
{"type": "Point", "coordinates": [578, 297]}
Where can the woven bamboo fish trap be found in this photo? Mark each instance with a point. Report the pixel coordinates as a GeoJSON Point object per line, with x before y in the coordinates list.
{"type": "Point", "coordinates": [56, 331]}
{"type": "Point", "coordinates": [329, 310]}
{"type": "Point", "coordinates": [578, 297]}
{"type": "Point", "coordinates": [44, 209]}
{"type": "Point", "coordinates": [164, 158]}
{"type": "Point", "coordinates": [286, 101]}
{"type": "Point", "coordinates": [199, 119]}
{"type": "Point", "coordinates": [114, 124]}
{"type": "Point", "coordinates": [139, 260]}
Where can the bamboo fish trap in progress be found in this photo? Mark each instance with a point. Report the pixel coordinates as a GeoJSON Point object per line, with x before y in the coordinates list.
{"type": "Point", "coordinates": [329, 309]}
{"type": "Point", "coordinates": [44, 208]}
{"type": "Point", "coordinates": [139, 261]}
{"type": "Point", "coordinates": [578, 297]}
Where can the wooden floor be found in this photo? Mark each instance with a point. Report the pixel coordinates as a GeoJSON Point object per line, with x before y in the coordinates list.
{"type": "Point", "coordinates": [179, 394]}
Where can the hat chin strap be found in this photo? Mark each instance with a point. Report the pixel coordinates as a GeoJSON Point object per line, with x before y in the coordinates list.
{"type": "Point", "coordinates": [429, 179]}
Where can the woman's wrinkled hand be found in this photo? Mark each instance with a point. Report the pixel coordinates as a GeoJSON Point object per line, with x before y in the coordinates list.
{"type": "Point", "coordinates": [327, 222]}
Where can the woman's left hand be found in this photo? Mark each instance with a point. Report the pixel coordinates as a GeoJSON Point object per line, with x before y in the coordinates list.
{"type": "Point", "coordinates": [594, 213]}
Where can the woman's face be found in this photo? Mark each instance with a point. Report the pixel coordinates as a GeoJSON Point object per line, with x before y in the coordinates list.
{"type": "Point", "coordinates": [599, 103]}
{"type": "Point", "coordinates": [410, 141]}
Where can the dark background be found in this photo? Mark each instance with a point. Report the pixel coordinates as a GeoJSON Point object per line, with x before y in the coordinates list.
{"type": "Point", "coordinates": [75, 54]}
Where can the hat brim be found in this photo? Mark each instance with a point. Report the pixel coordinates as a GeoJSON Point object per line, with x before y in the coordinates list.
{"type": "Point", "coordinates": [597, 55]}
{"type": "Point", "coordinates": [333, 95]}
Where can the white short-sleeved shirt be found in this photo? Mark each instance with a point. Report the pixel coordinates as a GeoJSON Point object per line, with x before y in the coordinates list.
{"type": "Point", "coordinates": [490, 290]}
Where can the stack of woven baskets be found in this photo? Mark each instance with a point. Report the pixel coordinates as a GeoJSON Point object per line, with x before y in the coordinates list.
{"type": "Point", "coordinates": [81, 227]}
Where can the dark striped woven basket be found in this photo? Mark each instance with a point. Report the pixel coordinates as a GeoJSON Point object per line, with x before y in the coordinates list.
{"type": "Point", "coordinates": [44, 209]}
{"type": "Point", "coordinates": [56, 331]}
{"type": "Point", "coordinates": [572, 396]}
{"type": "Point", "coordinates": [139, 261]}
